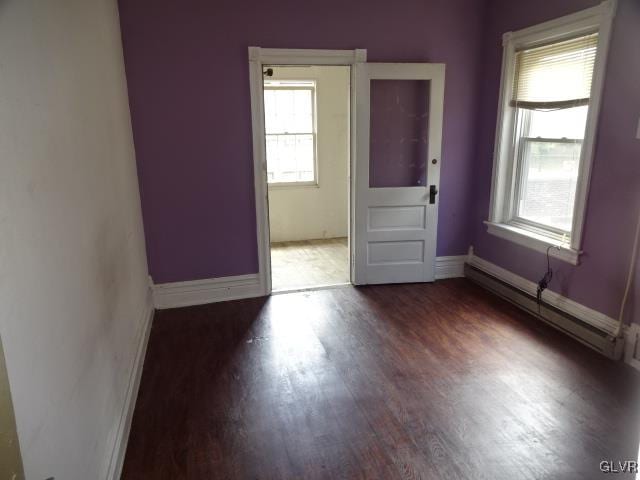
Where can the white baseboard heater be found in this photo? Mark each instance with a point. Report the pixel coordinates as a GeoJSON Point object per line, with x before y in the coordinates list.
{"type": "Point", "coordinates": [589, 335]}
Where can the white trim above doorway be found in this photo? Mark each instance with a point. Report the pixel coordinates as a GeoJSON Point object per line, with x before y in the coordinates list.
{"type": "Point", "coordinates": [303, 56]}
{"type": "Point", "coordinates": [258, 58]}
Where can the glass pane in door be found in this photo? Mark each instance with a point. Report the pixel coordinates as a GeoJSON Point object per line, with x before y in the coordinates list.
{"type": "Point", "coordinates": [398, 144]}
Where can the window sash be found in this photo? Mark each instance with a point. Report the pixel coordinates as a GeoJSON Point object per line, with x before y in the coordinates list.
{"type": "Point", "coordinates": [312, 98]}
{"type": "Point", "coordinates": [541, 229]}
{"type": "Point", "coordinates": [284, 134]}
{"type": "Point", "coordinates": [523, 119]}
{"type": "Point", "coordinates": [553, 139]}
{"type": "Point", "coordinates": [314, 165]}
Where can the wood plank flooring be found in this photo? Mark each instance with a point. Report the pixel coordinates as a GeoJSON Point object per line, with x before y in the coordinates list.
{"type": "Point", "coordinates": [424, 381]}
{"type": "Point", "coordinates": [309, 263]}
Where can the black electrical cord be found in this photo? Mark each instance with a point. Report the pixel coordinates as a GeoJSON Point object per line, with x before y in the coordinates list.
{"type": "Point", "coordinates": [544, 281]}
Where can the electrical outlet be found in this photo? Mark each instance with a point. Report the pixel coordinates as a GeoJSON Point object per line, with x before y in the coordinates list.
{"type": "Point", "coordinates": [638, 131]}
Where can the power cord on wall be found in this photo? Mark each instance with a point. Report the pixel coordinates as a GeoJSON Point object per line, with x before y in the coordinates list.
{"type": "Point", "coordinates": [632, 268]}
{"type": "Point", "coordinates": [544, 281]}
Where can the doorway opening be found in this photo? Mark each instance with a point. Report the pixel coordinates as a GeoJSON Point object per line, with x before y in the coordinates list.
{"type": "Point", "coordinates": [392, 216]}
{"type": "Point", "coordinates": [307, 146]}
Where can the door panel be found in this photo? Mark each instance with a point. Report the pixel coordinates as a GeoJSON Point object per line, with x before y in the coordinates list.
{"type": "Point", "coordinates": [393, 253]}
{"type": "Point", "coordinates": [398, 130]}
{"type": "Point", "coordinates": [396, 218]}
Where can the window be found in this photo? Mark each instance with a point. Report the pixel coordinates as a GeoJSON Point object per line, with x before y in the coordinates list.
{"type": "Point", "coordinates": [549, 102]}
{"type": "Point", "coordinates": [289, 109]}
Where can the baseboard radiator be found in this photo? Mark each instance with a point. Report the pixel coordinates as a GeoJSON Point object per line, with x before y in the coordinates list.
{"type": "Point", "coordinates": [590, 336]}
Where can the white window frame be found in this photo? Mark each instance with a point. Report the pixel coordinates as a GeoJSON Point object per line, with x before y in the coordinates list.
{"type": "Point", "coordinates": [596, 19]}
{"type": "Point", "coordinates": [314, 133]}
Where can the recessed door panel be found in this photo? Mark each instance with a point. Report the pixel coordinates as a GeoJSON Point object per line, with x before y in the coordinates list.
{"type": "Point", "coordinates": [383, 219]}
{"type": "Point", "coordinates": [396, 253]}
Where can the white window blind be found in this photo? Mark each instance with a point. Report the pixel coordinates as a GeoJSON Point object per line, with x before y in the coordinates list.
{"type": "Point", "coordinates": [555, 76]}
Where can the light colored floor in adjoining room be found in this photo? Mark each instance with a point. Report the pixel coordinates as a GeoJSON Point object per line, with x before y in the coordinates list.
{"type": "Point", "coordinates": [309, 263]}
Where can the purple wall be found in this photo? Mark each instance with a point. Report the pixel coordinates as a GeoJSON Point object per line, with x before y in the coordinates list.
{"type": "Point", "coordinates": [614, 197]}
{"type": "Point", "coordinates": [188, 85]}
{"type": "Point", "coordinates": [189, 93]}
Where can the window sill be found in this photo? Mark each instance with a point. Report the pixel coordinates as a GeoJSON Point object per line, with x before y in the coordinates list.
{"type": "Point", "coordinates": [534, 241]}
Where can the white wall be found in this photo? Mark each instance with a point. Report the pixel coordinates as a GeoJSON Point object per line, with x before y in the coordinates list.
{"type": "Point", "coordinates": [302, 213]}
{"type": "Point", "coordinates": [73, 274]}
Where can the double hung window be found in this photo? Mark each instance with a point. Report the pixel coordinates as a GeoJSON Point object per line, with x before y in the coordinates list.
{"type": "Point", "coordinates": [289, 109]}
{"type": "Point", "coordinates": [546, 124]}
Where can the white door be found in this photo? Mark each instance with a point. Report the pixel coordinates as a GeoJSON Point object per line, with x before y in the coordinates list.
{"type": "Point", "coordinates": [397, 172]}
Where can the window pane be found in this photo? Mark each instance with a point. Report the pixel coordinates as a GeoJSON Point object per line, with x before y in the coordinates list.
{"type": "Point", "coordinates": [548, 184]}
{"type": "Point", "coordinates": [288, 111]}
{"type": "Point", "coordinates": [399, 130]}
{"type": "Point", "coordinates": [565, 123]}
{"type": "Point", "coordinates": [290, 158]}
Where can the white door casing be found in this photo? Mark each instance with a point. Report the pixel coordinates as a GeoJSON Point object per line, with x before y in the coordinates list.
{"type": "Point", "coordinates": [396, 227]}
{"type": "Point", "coordinates": [258, 58]}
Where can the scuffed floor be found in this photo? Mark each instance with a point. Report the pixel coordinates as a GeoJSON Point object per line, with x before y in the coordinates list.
{"type": "Point", "coordinates": [309, 263]}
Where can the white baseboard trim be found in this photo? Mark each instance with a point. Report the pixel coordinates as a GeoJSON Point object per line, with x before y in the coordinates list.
{"type": "Point", "coordinates": [450, 267]}
{"type": "Point", "coordinates": [199, 292]}
{"type": "Point", "coordinates": [632, 346]}
{"type": "Point", "coordinates": [124, 425]}
{"type": "Point", "coordinates": [575, 309]}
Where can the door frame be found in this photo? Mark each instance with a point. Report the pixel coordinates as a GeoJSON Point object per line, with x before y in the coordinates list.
{"type": "Point", "coordinates": [258, 57]}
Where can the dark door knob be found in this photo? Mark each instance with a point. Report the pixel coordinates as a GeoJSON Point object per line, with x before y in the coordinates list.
{"type": "Point", "coordinates": [433, 191]}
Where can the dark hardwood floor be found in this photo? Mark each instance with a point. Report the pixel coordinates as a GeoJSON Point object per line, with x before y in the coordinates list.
{"type": "Point", "coordinates": [439, 381]}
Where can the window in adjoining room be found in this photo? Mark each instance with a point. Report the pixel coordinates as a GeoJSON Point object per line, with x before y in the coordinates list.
{"type": "Point", "coordinates": [290, 132]}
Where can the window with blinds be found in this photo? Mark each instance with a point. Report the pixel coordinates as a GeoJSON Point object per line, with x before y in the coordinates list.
{"type": "Point", "coordinates": [551, 92]}
{"type": "Point", "coordinates": [550, 96]}
{"type": "Point", "coordinates": [555, 76]}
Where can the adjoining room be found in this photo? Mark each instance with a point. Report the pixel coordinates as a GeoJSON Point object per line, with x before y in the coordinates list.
{"type": "Point", "coordinates": [307, 150]}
